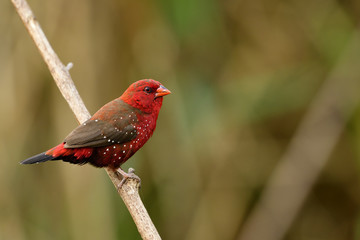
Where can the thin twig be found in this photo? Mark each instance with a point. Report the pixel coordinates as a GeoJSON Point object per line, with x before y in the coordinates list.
{"type": "Point", "coordinates": [129, 191]}
{"type": "Point", "coordinates": [308, 151]}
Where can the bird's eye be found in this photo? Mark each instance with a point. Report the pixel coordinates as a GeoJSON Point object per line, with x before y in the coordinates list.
{"type": "Point", "coordinates": [147, 90]}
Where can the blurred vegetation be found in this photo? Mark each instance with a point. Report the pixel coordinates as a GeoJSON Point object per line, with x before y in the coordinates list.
{"type": "Point", "coordinates": [243, 74]}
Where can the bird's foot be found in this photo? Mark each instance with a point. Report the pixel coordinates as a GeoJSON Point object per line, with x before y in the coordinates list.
{"type": "Point", "coordinates": [127, 175]}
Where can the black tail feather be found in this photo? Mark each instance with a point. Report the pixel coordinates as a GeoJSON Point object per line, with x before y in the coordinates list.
{"type": "Point", "coordinates": [42, 157]}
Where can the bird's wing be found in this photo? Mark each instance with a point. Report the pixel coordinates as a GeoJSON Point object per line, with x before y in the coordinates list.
{"type": "Point", "coordinates": [98, 133]}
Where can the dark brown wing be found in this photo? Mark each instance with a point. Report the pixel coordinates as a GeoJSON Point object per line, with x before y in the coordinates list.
{"type": "Point", "coordinates": [97, 133]}
{"type": "Point", "coordinates": [113, 123]}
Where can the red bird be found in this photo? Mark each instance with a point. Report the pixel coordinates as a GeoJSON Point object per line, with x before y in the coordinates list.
{"type": "Point", "coordinates": [115, 132]}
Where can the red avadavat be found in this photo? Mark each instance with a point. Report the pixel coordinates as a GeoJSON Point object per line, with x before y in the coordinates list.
{"type": "Point", "coordinates": [115, 132]}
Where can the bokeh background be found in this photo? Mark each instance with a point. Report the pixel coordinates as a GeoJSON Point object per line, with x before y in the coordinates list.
{"type": "Point", "coordinates": [244, 76]}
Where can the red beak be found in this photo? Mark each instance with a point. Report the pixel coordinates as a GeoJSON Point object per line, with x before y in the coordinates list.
{"type": "Point", "coordinates": [161, 91]}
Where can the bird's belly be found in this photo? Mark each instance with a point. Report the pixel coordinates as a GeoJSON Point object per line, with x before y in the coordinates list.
{"type": "Point", "coordinates": [112, 156]}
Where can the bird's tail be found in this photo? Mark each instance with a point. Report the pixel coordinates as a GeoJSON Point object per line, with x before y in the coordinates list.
{"type": "Point", "coordinates": [42, 157]}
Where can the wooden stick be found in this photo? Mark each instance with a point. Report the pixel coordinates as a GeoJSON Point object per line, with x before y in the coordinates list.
{"type": "Point", "coordinates": [129, 191]}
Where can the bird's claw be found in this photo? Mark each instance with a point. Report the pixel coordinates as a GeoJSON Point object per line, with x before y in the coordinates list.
{"type": "Point", "coordinates": [127, 175]}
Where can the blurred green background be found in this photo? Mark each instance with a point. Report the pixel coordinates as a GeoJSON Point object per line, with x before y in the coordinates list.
{"type": "Point", "coordinates": [243, 74]}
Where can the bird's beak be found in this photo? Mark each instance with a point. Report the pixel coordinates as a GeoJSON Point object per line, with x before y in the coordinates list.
{"type": "Point", "coordinates": [161, 91]}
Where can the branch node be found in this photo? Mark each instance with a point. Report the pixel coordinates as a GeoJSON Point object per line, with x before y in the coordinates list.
{"type": "Point", "coordinates": [69, 66]}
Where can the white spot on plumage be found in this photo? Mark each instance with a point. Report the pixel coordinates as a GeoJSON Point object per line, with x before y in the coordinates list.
{"type": "Point", "coordinates": [107, 149]}
{"type": "Point", "coordinates": [129, 116]}
{"type": "Point", "coordinates": [119, 157]}
{"type": "Point", "coordinates": [115, 155]}
{"type": "Point", "coordinates": [124, 151]}
{"type": "Point", "coordinates": [124, 145]}
{"type": "Point", "coordinates": [109, 140]}
{"type": "Point", "coordinates": [114, 147]}
{"type": "Point", "coordinates": [96, 120]}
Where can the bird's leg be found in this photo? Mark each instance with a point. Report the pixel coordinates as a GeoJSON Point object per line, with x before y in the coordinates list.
{"type": "Point", "coordinates": [125, 175]}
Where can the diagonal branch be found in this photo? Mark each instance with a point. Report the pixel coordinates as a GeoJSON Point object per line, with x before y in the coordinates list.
{"type": "Point", "coordinates": [129, 191]}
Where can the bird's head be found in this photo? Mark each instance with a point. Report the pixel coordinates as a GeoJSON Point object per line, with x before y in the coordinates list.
{"type": "Point", "coordinates": [146, 95]}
